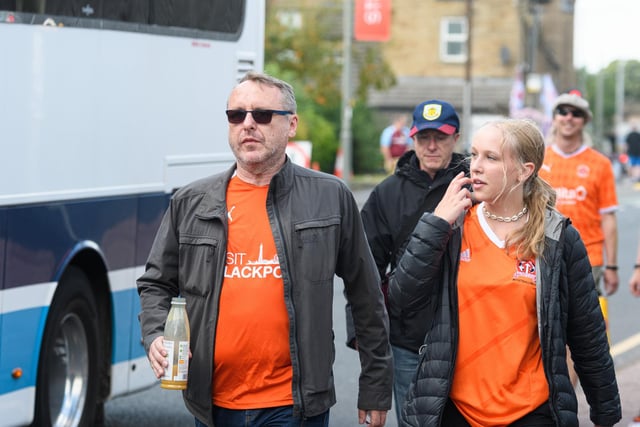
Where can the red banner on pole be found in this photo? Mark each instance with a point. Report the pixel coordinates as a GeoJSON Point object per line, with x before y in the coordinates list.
{"type": "Point", "coordinates": [372, 20]}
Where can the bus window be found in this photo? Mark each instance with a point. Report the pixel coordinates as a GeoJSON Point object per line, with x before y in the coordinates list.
{"type": "Point", "coordinates": [157, 16]}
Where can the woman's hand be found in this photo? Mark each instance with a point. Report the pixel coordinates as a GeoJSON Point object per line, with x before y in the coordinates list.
{"type": "Point", "coordinates": [456, 200]}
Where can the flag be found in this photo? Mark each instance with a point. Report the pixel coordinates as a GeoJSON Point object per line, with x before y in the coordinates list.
{"type": "Point", "coordinates": [516, 100]}
{"type": "Point", "coordinates": [372, 20]}
{"type": "Point", "coordinates": [548, 96]}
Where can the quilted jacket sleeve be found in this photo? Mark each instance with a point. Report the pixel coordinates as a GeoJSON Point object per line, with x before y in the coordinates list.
{"type": "Point", "coordinates": [419, 265]}
{"type": "Point", "coordinates": [586, 335]}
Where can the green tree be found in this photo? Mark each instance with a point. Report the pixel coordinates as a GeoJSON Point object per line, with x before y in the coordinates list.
{"type": "Point", "coordinates": [309, 57]}
{"type": "Point", "coordinates": [367, 158]}
{"type": "Point", "coordinates": [609, 76]}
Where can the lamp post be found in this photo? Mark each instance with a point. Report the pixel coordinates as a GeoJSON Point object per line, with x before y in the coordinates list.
{"type": "Point", "coordinates": [345, 129]}
{"type": "Point", "coordinates": [467, 93]}
{"type": "Point", "coordinates": [620, 101]}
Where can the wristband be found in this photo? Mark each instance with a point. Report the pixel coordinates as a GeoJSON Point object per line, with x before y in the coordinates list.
{"type": "Point", "coordinates": [611, 267]}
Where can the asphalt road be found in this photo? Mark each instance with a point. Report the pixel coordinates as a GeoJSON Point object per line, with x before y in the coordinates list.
{"type": "Point", "coordinates": [162, 408]}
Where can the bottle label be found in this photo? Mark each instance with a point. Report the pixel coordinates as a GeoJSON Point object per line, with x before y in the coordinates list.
{"type": "Point", "coordinates": [183, 361]}
{"type": "Point", "coordinates": [178, 367]}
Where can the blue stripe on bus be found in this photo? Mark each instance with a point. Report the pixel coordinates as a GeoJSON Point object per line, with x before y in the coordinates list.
{"type": "Point", "coordinates": [35, 241]}
{"type": "Point", "coordinates": [3, 242]}
{"type": "Point", "coordinates": [38, 237]}
{"type": "Point", "coordinates": [126, 333]}
{"type": "Point", "coordinates": [20, 342]}
{"type": "Point", "coordinates": [20, 339]}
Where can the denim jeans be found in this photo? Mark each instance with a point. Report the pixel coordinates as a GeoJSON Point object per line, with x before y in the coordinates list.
{"type": "Point", "coordinates": [405, 363]}
{"type": "Point", "coordinates": [281, 416]}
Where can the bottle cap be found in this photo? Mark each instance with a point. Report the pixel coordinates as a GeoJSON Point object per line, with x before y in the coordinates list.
{"type": "Point", "coordinates": [178, 301]}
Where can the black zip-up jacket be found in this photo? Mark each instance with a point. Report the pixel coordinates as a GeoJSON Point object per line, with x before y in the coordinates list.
{"type": "Point", "coordinates": [318, 233]}
{"type": "Point", "coordinates": [390, 214]}
{"type": "Point", "coordinates": [568, 314]}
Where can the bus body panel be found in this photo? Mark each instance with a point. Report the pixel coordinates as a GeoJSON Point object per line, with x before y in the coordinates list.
{"type": "Point", "coordinates": [98, 127]}
{"type": "Point", "coordinates": [177, 113]}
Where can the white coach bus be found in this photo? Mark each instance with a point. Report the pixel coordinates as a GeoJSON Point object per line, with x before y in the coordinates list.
{"type": "Point", "coordinates": [106, 107]}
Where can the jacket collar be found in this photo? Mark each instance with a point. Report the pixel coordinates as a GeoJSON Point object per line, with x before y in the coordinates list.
{"type": "Point", "coordinates": [213, 203]}
{"type": "Point", "coordinates": [282, 181]}
{"type": "Point", "coordinates": [409, 167]}
{"type": "Point", "coordinates": [554, 223]}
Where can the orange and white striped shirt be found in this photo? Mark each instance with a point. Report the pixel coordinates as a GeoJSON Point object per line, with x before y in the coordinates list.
{"type": "Point", "coordinates": [585, 188]}
{"type": "Point", "coordinates": [498, 375]}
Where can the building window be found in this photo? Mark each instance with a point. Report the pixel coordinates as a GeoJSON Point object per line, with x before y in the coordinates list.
{"type": "Point", "coordinates": [290, 19]}
{"type": "Point", "coordinates": [567, 6]}
{"type": "Point", "coordinates": [453, 39]}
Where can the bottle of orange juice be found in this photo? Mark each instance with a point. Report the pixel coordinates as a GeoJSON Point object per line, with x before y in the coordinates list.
{"type": "Point", "coordinates": [176, 342]}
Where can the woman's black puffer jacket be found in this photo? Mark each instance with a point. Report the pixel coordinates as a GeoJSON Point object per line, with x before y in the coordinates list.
{"type": "Point", "coordinates": [568, 314]}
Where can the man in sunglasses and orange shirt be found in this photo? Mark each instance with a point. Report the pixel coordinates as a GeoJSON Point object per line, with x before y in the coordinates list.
{"type": "Point", "coordinates": [585, 187]}
{"type": "Point", "coordinates": [254, 251]}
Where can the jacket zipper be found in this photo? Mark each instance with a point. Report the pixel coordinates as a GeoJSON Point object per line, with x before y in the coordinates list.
{"type": "Point", "coordinates": [298, 407]}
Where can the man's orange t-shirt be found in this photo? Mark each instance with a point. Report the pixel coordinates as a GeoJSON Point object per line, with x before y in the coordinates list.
{"type": "Point", "coordinates": [585, 189]}
{"type": "Point", "coordinates": [498, 376]}
{"type": "Point", "coordinates": [252, 362]}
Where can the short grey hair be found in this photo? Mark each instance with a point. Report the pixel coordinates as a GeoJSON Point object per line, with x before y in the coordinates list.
{"type": "Point", "coordinates": [286, 90]}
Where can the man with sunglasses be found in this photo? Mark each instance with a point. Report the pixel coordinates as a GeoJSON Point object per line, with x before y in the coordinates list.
{"type": "Point", "coordinates": [585, 188]}
{"type": "Point", "coordinates": [254, 251]}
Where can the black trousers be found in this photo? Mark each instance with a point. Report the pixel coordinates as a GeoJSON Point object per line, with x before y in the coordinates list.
{"type": "Point", "coordinates": [539, 417]}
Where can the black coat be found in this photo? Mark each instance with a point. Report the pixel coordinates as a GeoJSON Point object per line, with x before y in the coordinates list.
{"type": "Point", "coordinates": [390, 214]}
{"type": "Point", "coordinates": [568, 314]}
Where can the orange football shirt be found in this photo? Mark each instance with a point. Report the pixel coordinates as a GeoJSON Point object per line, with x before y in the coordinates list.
{"type": "Point", "coordinates": [252, 363]}
{"type": "Point", "coordinates": [585, 188]}
{"type": "Point", "coordinates": [498, 376]}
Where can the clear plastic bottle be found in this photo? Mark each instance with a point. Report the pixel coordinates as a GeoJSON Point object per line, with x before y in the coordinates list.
{"type": "Point", "coordinates": [176, 342]}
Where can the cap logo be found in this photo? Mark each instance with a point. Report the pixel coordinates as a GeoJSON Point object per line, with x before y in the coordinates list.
{"type": "Point", "coordinates": [432, 111]}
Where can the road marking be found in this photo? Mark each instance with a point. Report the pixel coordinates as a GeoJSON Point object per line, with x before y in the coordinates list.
{"type": "Point", "coordinates": [626, 345]}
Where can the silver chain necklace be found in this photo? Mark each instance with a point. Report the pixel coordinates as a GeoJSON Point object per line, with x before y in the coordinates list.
{"type": "Point", "coordinates": [502, 218]}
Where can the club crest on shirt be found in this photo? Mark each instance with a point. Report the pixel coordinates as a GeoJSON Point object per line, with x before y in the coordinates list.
{"type": "Point", "coordinates": [525, 270]}
{"type": "Point", "coordinates": [582, 171]}
{"type": "Point", "coordinates": [465, 256]}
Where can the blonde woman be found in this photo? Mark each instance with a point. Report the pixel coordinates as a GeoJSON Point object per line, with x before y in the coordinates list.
{"type": "Point", "coordinates": [510, 285]}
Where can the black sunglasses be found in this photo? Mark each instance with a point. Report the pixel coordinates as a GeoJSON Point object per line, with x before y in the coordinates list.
{"type": "Point", "coordinates": [262, 117]}
{"type": "Point", "coordinates": [564, 111]}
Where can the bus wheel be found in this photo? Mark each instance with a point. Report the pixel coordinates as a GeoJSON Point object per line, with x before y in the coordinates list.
{"type": "Point", "coordinates": [67, 385]}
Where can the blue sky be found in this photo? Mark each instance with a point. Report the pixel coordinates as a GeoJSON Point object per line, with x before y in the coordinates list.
{"type": "Point", "coordinates": [606, 30]}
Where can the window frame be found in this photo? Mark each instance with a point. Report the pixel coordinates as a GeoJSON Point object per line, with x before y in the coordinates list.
{"type": "Point", "coordinates": [446, 37]}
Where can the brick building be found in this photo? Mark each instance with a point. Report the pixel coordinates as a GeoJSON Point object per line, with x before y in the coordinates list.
{"type": "Point", "coordinates": [428, 52]}
{"type": "Point", "coordinates": [429, 45]}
